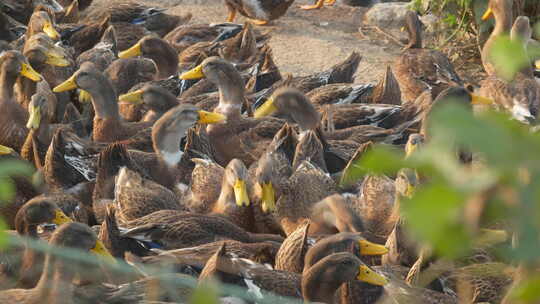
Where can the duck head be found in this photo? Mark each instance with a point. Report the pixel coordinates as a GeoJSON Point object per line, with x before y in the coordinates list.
{"type": "Point", "coordinates": [168, 131]}
{"type": "Point", "coordinates": [15, 64]}
{"type": "Point", "coordinates": [235, 177]}
{"type": "Point", "coordinates": [292, 104]}
{"type": "Point", "coordinates": [37, 211]}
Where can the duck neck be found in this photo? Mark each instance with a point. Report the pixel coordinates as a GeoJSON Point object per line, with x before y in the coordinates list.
{"type": "Point", "coordinates": [55, 285]}
{"type": "Point", "coordinates": [167, 146]}
{"type": "Point", "coordinates": [166, 61]}
{"type": "Point", "coordinates": [7, 81]}
{"type": "Point", "coordinates": [231, 98]}
{"type": "Point", "coordinates": [226, 197]}
{"type": "Point", "coordinates": [104, 99]}
{"type": "Point", "coordinates": [314, 290]}
{"type": "Point", "coordinates": [503, 23]}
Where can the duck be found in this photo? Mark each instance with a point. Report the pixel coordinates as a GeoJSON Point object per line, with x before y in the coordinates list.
{"type": "Point", "coordinates": [55, 273]}
{"type": "Point", "coordinates": [198, 256]}
{"type": "Point", "coordinates": [24, 189]}
{"type": "Point", "coordinates": [156, 99]}
{"type": "Point", "coordinates": [22, 10]}
{"type": "Point", "coordinates": [233, 201]}
{"type": "Point", "coordinates": [41, 22]}
{"type": "Point", "coordinates": [518, 94]}
{"type": "Point", "coordinates": [12, 65]}
{"type": "Point", "coordinates": [501, 10]}
{"type": "Point", "coordinates": [26, 269]}
{"type": "Point", "coordinates": [174, 229]}
{"type": "Point", "coordinates": [40, 114]}
{"type": "Point", "coordinates": [154, 19]}
{"type": "Point", "coordinates": [108, 126]}
{"type": "Point", "coordinates": [259, 12]}
{"type": "Point", "coordinates": [418, 69]}
{"type": "Point", "coordinates": [48, 61]}
{"type": "Point", "coordinates": [184, 36]}
{"type": "Point", "coordinates": [317, 283]}
{"type": "Point", "coordinates": [521, 32]}
{"type": "Point", "coordinates": [157, 49]}
{"type": "Point", "coordinates": [240, 137]}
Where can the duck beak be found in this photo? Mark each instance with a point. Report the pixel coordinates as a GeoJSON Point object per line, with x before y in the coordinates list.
{"type": "Point", "coordinates": [371, 277]}
{"type": "Point", "coordinates": [409, 149]}
{"type": "Point", "coordinates": [5, 150]}
{"type": "Point", "coordinates": [490, 237]}
{"type": "Point", "coordinates": [410, 191]}
{"type": "Point", "coordinates": [56, 60]}
{"type": "Point", "coordinates": [67, 85]}
{"type": "Point", "coordinates": [267, 108]}
{"type": "Point", "coordinates": [131, 52]}
{"type": "Point", "coordinates": [240, 193]}
{"type": "Point", "coordinates": [132, 97]}
{"type": "Point", "coordinates": [100, 250]}
{"type": "Point", "coordinates": [210, 117]}
{"type": "Point", "coordinates": [29, 72]}
{"type": "Point", "coordinates": [537, 64]}
{"type": "Point", "coordinates": [477, 100]}
{"type": "Point", "coordinates": [60, 218]}
{"type": "Point", "coordinates": [487, 14]}
{"type": "Point", "coordinates": [369, 248]}
{"type": "Point", "coordinates": [268, 197]}
{"type": "Point", "coordinates": [35, 117]}
{"type": "Point", "coordinates": [195, 73]}
{"type": "Point", "coordinates": [84, 96]}
{"type": "Point", "coordinates": [49, 29]}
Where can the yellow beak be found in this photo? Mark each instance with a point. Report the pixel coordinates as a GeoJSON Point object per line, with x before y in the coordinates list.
{"type": "Point", "coordinates": [60, 218]}
{"type": "Point", "coordinates": [268, 197]}
{"type": "Point", "coordinates": [369, 248]}
{"type": "Point", "coordinates": [67, 85]}
{"type": "Point", "coordinates": [195, 73]}
{"type": "Point", "coordinates": [267, 108]}
{"type": "Point", "coordinates": [132, 97]}
{"type": "Point", "coordinates": [35, 117]}
{"type": "Point", "coordinates": [131, 52]}
{"type": "Point", "coordinates": [487, 14]}
{"type": "Point", "coordinates": [49, 29]}
{"type": "Point", "coordinates": [56, 60]}
{"type": "Point", "coordinates": [371, 277]}
{"type": "Point", "coordinates": [476, 99]}
{"type": "Point", "coordinates": [29, 72]}
{"type": "Point", "coordinates": [210, 117]}
{"type": "Point", "coordinates": [5, 150]}
{"type": "Point", "coordinates": [84, 96]}
{"type": "Point", "coordinates": [240, 193]}
{"type": "Point", "coordinates": [409, 149]}
{"type": "Point", "coordinates": [537, 64]}
{"type": "Point", "coordinates": [410, 191]}
{"type": "Point", "coordinates": [100, 250]}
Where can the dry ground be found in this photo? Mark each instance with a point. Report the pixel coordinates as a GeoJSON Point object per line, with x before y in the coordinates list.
{"type": "Point", "coordinates": [304, 42]}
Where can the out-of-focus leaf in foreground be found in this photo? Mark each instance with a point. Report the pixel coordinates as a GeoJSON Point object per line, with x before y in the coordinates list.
{"type": "Point", "coordinates": [205, 293]}
{"type": "Point", "coordinates": [509, 55]}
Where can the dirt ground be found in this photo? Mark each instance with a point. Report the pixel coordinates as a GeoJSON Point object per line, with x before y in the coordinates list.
{"type": "Point", "coordinates": [305, 42]}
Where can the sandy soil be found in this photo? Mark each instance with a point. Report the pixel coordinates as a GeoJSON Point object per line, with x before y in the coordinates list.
{"type": "Point", "coordinates": [304, 42]}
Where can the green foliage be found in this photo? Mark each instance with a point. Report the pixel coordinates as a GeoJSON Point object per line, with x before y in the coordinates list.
{"type": "Point", "coordinates": [511, 56]}
{"type": "Point", "coordinates": [439, 212]}
{"type": "Point", "coordinates": [206, 293]}
{"type": "Point", "coordinates": [8, 169]}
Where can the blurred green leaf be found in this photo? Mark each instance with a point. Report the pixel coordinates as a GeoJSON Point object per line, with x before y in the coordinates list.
{"type": "Point", "coordinates": [381, 159]}
{"type": "Point", "coordinates": [7, 189]}
{"type": "Point", "coordinates": [528, 291]}
{"type": "Point", "coordinates": [433, 214]}
{"type": "Point", "coordinates": [205, 293]}
{"type": "Point", "coordinates": [15, 168]}
{"type": "Point", "coordinates": [510, 56]}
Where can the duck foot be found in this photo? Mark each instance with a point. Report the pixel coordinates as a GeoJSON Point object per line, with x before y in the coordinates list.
{"type": "Point", "coordinates": [258, 22]}
{"type": "Point", "coordinates": [329, 2]}
{"type": "Point", "coordinates": [231, 16]}
{"type": "Point", "coordinates": [317, 5]}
